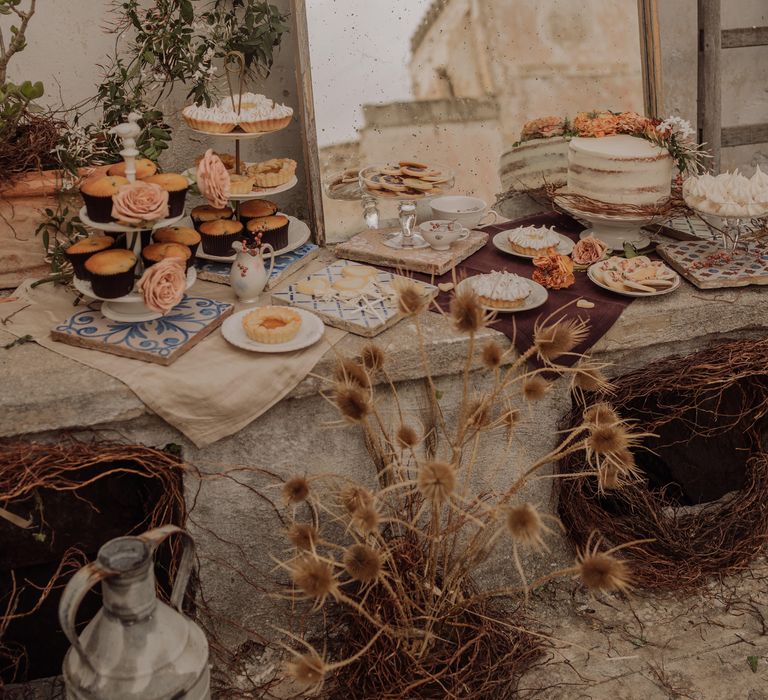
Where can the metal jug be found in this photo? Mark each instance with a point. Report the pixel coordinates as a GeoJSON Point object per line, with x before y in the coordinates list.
{"type": "Point", "coordinates": [136, 646]}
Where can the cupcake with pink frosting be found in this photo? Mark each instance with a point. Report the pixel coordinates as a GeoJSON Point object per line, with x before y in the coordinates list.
{"type": "Point", "coordinates": [139, 203]}
{"type": "Point", "coordinates": [213, 180]}
{"type": "Point", "coordinates": [163, 285]}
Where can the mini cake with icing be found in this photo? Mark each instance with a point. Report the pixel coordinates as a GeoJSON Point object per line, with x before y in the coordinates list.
{"type": "Point", "coordinates": [111, 272]}
{"type": "Point", "coordinates": [79, 252]}
{"type": "Point", "coordinates": [218, 236]}
{"type": "Point", "coordinates": [262, 114]}
{"type": "Point", "coordinates": [532, 240]}
{"type": "Point", "coordinates": [155, 252]}
{"type": "Point", "coordinates": [97, 194]}
{"type": "Point", "coordinates": [176, 186]}
{"type": "Point", "coordinates": [270, 229]}
{"type": "Point", "coordinates": [144, 168]}
{"type": "Point", "coordinates": [183, 235]}
{"type": "Point", "coordinates": [212, 120]}
{"type": "Point", "coordinates": [272, 324]}
{"type": "Point", "coordinates": [256, 208]}
{"type": "Point", "coordinates": [500, 290]}
{"type": "Point", "coordinates": [205, 213]}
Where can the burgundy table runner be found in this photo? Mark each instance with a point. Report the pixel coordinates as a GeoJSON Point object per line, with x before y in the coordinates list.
{"type": "Point", "coordinates": [518, 326]}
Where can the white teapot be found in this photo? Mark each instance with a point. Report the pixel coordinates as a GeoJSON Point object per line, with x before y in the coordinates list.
{"type": "Point", "coordinates": [248, 275]}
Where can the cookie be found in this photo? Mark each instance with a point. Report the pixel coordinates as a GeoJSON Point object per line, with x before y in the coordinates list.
{"type": "Point", "coordinates": [313, 286]}
{"type": "Point", "coordinates": [393, 183]}
{"type": "Point", "coordinates": [417, 184]}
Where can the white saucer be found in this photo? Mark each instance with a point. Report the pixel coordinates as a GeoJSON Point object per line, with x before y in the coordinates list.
{"type": "Point", "coordinates": [500, 240]}
{"type": "Point", "coordinates": [310, 332]}
{"type": "Point", "coordinates": [298, 235]}
{"type": "Point", "coordinates": [660, 292]}
{"type": "Point", "coordinates": [536, 298]}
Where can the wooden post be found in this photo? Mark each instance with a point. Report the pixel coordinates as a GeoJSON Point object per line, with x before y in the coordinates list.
{"type": "Point", "coordinates": [710, 108]}
{"type": "Point", "coordinates": [307, 114]}
{"type": "Point", "coordinates": [650, 53]}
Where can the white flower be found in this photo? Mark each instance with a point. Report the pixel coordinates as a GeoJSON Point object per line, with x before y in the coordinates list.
{"type": "Point", "coordinates": [677, 126]}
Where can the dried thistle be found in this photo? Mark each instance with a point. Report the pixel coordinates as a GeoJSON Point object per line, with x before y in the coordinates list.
{"type": "Point", "coordinates": [307, 669]}
{"type": "Point", "coordinates": [606, 438]}
{"type": "Point", "coordinates": [601, 414]}
{"type": "Point", "coordinates": [352, 372]}
{"type": "Point", "coordinates": [466, 312]}
{"type": "Point", "coordinates": [588, 376]}
{"type": "Point", "coordinates": [303, 536]}
{"type": "Point", "coordinates": [352, 401]}
{"type": "Point", "coordinates": [410, 296]}
{"type": "Point", "coordinates": [407, 436]}
{"type": "Point", "coordinates": [355, 498]}
{"type": "Point", "coordinates": [296, 490]}
{"type": "Point", "coordinates": [555, 340]}
{"type": "Point", "coordinates": [366, 520]}
{"type": "Point", "coordinates": [478, 414]}
{"type": "Point", "coordinates": [601, 571]}
{"type": "Point", "coordinates": [437, 481]}
{"type": "Point", "coordinates": [535, 388]}
{"type": "Point", "coordinates": [492, 355]}
{"type": "Point", "coordinates": [372, 357]}
{"type": "Point", "coordinates": [314, 578]}
{"type": "Point", "coordinates": [362, 563]}
{"type": "Point", "coordinates": [525, 525]}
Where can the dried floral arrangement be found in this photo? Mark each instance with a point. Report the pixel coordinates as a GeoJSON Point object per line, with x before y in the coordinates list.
{"type": "Point", "coordinates": [716, 396]}
{"type": "Point", "coordinates": [392, 567]}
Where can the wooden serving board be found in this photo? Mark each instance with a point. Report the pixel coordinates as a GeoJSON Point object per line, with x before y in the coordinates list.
{"type": "Point", "coordinates": [285, 265]}
{"type": "Point", "coordinates": [162, 341]}
{"type": "Point", "coordinates": [692, 259]}
{"type": "Point", "coordinates": [349, 316]}
{"type": "Point", "coordinates": [368, 247]}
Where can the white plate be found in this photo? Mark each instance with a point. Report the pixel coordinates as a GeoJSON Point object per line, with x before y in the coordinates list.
{"type": "Point", "coordinates": [310, 332]}
{"type": "Point", "coordinates": [114, 227]}
{"type": "Point", "coordinates": [500, 240]}
{"type": "Point", "coordinates": [534, 300]}
{"type": "Point", "coordinates": [298, 235]}
{"type": "Point", "coordinates": [660, 292]}
{"type": "Point", "coordinates": [261, 193]}
{"type": "Point", "coordinates": [243, 135]}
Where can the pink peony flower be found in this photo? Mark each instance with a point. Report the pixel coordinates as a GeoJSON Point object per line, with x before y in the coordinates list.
{"type": "Point", "coordinates": [544, 127]}
{"type": "Point", "coordinates": [163, 284]}
{"type": "Point", "coordinates": [213, 180]}
{"type": "Point", "coordinates": [139, 201]}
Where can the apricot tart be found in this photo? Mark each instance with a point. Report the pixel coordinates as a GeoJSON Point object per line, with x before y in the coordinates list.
{"type": "Point", "coordinates": [272, 324]}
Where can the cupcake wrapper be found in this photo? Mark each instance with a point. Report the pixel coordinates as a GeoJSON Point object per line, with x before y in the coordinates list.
{"type": "Point", "coordinates": [277, 238]}
{"type": "Point", "coordinates": [196, 224]}
{"type": "Point", "coordinates": [78, 263]}
{"type": "Point", "coordinates": [176, 202]}
{"type": "Point", "coordinates": [113, 286]}
{"type": "Point", "coordinates": [99, 208]}
{"type": "Point", "coordinates": [220, 245]}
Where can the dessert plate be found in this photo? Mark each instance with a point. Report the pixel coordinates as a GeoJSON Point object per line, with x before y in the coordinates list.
{"type": "Point", "coordinates": [298, 235]}
{"type": "Point", "coordinates": [258, 193]}
{"type": "Point", "coordinates": [236, 133]}
{"type": "Point", "coordinates": [594, 274]}
{"type": "Point", "coordinates": [534, 300]}
{"type": "Point", "coordinates": [310, 331]}
{"type": "Point", "coordinates": [114, 227]}
{"type": "Point", "coordinates": [500, 240]}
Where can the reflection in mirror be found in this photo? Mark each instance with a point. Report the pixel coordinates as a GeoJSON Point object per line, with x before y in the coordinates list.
{"type": "Point", "coordinates": [452, 82]}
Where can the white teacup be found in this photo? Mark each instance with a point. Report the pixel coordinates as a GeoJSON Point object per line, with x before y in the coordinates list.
{"type": "Point", "coordinates": [441, 234]}
{"type": "Point", "coordinates": [468, 211]}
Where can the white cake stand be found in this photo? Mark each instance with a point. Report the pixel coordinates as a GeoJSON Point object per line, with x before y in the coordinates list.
{"type": "Point", "coordinates": [131, 307]}
{"type": "Point", "coordinates": [114, 227]}
{"type": "Point", "coordinates": [613, 229]}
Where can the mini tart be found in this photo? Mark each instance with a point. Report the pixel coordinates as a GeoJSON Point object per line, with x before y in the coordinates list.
{"type": "Point", "coordinates": [111, 272]}
{"type": "Point", "coordinates": [313, 286]}
{"type": "Point", "coordinates": [241, 184]}
{"type": "Point", "coordinates": [273, 173]}
{"type": "Point", "coordinates": [500, 290]}
{"type": "Point", "coordinates": [155, 252]}
{"type": "Point", "coordinates": [178, 234]}
{"type": "Point", "coordinates": [269, 229]}
{"type": "Point", "coordinates": [218, 236]}
{"type": "Point", "coordinates": [212, 120]}
{"type": "Point", "coordinates": [205, 213]}
{"type": "Point", "coordinates": [532, 240]}
{"type": "Point", "coordinates": [365, 272]}
{"type": "Point", "coordinates": [79, 252]}
{"type": "Point", "coordinates": [250, 125]}
{"type": "Point", "coordinates": [97, 195]}
{"type": "Point", "coordinates": [226, 158]}
{"type": "Point", "coordinates": [144, 168]}
{"type": "Point", "coordinates": [272, 324]}
{"type": "Point", "coordinates": [176, 186]}
{"type": "Point", "coordinates": [256, 208]}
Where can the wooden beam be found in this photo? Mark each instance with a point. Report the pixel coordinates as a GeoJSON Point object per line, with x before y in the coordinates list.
{"type": "Point", "coordinates": [748, 36]}
{"type": "Point", "coordinates": [745, 135]}
{"type": "Point", "coordinates": [650, 56]}
{"type": "Point", "coordinates": [709, 90]}
{"type": "Point", "coordinates": [307, 115]}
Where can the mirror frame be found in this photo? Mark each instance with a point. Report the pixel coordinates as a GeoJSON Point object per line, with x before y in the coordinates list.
{"type": "Point", "coordinates": [650, 60]}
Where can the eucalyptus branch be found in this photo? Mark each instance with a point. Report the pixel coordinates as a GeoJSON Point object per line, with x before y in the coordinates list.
{"type": "Point", "coordinates": [18, 40]}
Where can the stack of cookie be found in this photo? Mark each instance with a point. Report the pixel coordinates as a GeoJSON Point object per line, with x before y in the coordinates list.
{"type": "Point", "coordinates": [406, 180]}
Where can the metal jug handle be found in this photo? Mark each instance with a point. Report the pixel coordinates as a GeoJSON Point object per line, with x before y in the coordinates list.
{"type": "Point", "coordinates": [155, 538]}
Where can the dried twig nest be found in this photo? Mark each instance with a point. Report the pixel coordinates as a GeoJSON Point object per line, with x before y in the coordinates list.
{"type": "Point", "coordinates": [703, 496]}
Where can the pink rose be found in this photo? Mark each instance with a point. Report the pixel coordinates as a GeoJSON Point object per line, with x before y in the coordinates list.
{"type": "Point", "coordinates": [139, 201]}
{"type": "Point", "coordinates": [213, 180]}
{"type": "Point", "coordinates": [163, 284]}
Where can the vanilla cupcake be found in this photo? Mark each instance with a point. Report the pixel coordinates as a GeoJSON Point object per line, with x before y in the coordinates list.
{"type": "Point", "coordinates": [97, 194]}
{"type": "Point", "coordinates": [205, 213]}
{"type": "Point", "coordinates": [269, 229]}
{"type": "Point", "coordinates": [255, 209]}
{"type": "Point", "coordinates": [144, 168]}
{"type": "Point", "coordinates": [218, 236]}
{"type": "Point", "coordinates": [79, 252]}
{"type": "Point", "coordinates": [183, 235]}
{"type": "Point", "coordinates": [176, 186]}
{"type": "Point", "coordinates": [212, 120]}
{"type": "Point", "coordinates": [155, 252]}
{"type": "Point", "coordinates": [111, 272]}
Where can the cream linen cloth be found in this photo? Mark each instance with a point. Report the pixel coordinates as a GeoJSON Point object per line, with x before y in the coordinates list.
{"type": "Point", "coordinates": [210, 392]}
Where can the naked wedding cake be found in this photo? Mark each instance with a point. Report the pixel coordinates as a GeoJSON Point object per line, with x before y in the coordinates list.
{"type": "Point", "coordinates": [532, 164]}
{"type": "Point", "coordinates": [621, 169]}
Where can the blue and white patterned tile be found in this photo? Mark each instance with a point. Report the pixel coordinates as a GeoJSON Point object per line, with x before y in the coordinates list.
{"type": "Point", "coordinates": [158, 340]}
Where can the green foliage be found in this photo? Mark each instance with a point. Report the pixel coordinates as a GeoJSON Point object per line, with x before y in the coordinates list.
{"type": "Point", "coordinates": [15, 100]}
{"type": "Point", "coordinates": [58, 231]}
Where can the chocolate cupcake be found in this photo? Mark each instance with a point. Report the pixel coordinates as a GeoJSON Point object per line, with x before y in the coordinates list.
{"type": "Point", "coordinates": [155, 252]}
{"type": "Point", "coordinates": [270, 229]}
{"type": "Point", "coordinates": [79, 252]}
{"type": "Point", "coordinates": [111, 272]}
{"type": "Point", "coordinates": [97, 195]}
{"type": "Point", "coordinates": [217, 237]}
{"type": "Point", "coordinates": [144, 168]}
{"type": "Point", "coordinates": [255, 209]}
{"type": "Point", "coordinates": [178, 234]}
{"type": "Point", "coordinates": [206, 213]}
{"type": "Point", "coordinates": [176, 186]}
